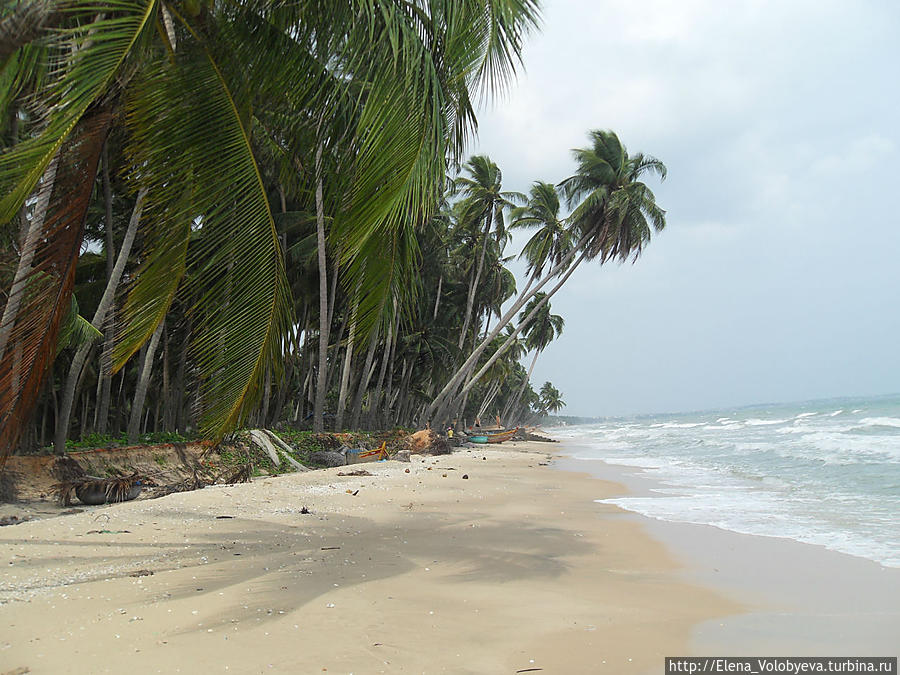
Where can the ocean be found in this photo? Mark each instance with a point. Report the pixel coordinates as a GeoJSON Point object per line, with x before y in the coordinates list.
{"type": "Point", "coordinates": [822, 472]}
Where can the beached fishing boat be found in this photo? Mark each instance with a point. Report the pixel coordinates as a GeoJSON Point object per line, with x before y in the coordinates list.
{"type": "Point", "coordinates": [477, 439]}
{"type": "Point", "coordinates": [501, 436]}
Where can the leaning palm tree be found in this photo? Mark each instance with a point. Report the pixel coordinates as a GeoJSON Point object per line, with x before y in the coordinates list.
{"type": "Point", "coordinates": [611, 205]}
{"type": "Point", "coordinates": [553, 240]}
{"type": "Point", "coordinates": [545, 328]}
{"type": "Point", "coordinates": [389, 81]}
{"type": "Point", "coordinates": [614, 216]}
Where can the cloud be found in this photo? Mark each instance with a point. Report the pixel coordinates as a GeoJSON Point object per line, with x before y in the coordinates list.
{"type": "Point", "coordinates": [777, 123]}
{"type": "Point", "coordinates": [860, 156]}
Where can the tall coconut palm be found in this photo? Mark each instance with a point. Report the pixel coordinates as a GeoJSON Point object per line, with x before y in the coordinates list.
{"type": "Point", "coordinates": [610, 203]}
{"type": "Point", "coordinates": [483, 204]}
{"type": "Point", "coordinates": [613, 219]}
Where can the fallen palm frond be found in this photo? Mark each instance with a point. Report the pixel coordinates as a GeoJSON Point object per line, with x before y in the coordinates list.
{"type": "Point", "coordinates": [237, 474]}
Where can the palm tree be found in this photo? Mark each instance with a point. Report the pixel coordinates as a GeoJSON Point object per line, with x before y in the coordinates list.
{"type": "Point", "coordinates": [613, 218]}
{"type": "Point", "coordinates": [611, 205]}
{"type": "Point", "coordinates": [482, 207]}
{"type": "Point", "coordinates": [543, 330]}
{"type": "Point", "coordinates": [551, 398]}
{"type": "Point", "coordinates": [191, 84]}
{"type": "Point", "coordinates": [553, 240]}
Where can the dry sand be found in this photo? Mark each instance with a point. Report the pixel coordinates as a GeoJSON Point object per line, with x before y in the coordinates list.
{"type": "Point", "coordinates": [513, 568]}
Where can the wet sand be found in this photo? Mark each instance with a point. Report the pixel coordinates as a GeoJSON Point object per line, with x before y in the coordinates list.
{"type": "Point", "coordinates": [799, 599]}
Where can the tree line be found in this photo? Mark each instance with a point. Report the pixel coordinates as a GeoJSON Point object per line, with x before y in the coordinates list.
{"type": "Point", "coordinates": [247, 212]}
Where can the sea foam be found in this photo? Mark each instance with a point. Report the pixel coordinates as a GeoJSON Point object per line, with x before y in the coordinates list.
{"type": "Point", "coordinates": [811, 472]}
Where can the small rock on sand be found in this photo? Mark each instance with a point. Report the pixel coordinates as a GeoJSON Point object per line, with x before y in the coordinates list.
{"type": "Point", "coordinates": [328, 458]}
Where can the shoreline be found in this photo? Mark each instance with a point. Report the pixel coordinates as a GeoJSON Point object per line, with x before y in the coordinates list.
{"type": "Point", "coordinates": [801, 598]}
{"type": "Point", "coordinates": [514, 567]}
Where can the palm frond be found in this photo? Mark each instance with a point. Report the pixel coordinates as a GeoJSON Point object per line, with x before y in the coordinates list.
{"type": "Point", "coordinates": [191, 150]}
{"type": "Point", "coordinates": [85, 60]}
{"type": "Point", "coordinates": [40, 297]}
{"type": "Point", "coordinates": [76, 330]}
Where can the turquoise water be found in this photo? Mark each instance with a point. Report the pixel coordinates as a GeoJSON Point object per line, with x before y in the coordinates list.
{"type": "Point", "coordinates": [821, 472]}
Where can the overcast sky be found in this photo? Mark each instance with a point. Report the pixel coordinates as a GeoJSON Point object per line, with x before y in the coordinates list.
{"type": "Point", "coordinates": [778, 275]}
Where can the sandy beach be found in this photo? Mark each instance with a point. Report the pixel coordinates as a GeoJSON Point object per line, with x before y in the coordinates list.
{"type": "Point", "coordinates": [483, 561]}
{"type": "Point", "coordinates": [511, 568]}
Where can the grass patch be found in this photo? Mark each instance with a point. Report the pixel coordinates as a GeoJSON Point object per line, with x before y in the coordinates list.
{"type": "Point", "coordinates": [91, 441]}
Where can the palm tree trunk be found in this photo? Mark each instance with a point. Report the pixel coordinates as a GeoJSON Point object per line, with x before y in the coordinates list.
{"type": "Point", "coordinates": [364, 381]}
{"type": "Point", "coordinates": [165, 398]}
{"type": "Point", "coordinates": [289, 369]}
{"type": "Point", "coordinates": [527, 293]}
{"type": "Point", "coordinates": [437, 299]}
{"type": "Point", "coordinates": [406, 379]}
{"type": "Point", "coordinates": [181, 421]}
{"type": "Point", "coordinates": [43, 436]}
{"type": "Point", "coordinates": [109, 335]}
{"type": "Point", "coordinates": [85, 402]}
{"type": "Point", "coordinates": [375, 401]}
{"type": "Point", "coordinates": [470, 299]}
{"type": "Point", "coordinates": [170, 27]}
{"type": "Point", "coordinates": [26, 255]}
{"type": "Point", "coordinates": [63, 421]}
{"type": "Point", "coordinates": [332, 294]}
{"type": "Point", "coordinates": [140, 395]}
{"type": "Point", "coordinates": [267, 395]}
{"type": "Point", "coordinates": [522, 324]}
{"type": "Point", "coordinates": [120, 408]}
{"type": "Point", "coordinates": [335, 349]}
{"type": "Point", "coordinates": [322, 375]}
{"type": "Point", "coordinates": [492, 394]}
{"type": "Point", "coordinates": [392, 356]}
{"type": "Point", "coordinates": [512, 405]}
{"type": "Point", "coordinates": [345, 374]}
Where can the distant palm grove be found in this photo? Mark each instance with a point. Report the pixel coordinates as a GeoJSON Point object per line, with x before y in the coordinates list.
{"type": "Point", "coordinates": [220, 213]}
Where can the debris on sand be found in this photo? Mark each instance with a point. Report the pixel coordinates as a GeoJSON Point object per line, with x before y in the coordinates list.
{"type": "Point", "coordinates": [93, 490]}
{"type": "Point", "coordinates": [328, 458]}
{"type": "Point", "coordinates": [13, 520]}
{"type": "Point", "coordinates": [426, 442]}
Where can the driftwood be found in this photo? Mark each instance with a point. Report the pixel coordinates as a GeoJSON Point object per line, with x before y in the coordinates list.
{"type": "Point", "coordinates": [261, 440]}
{"type": "Point", "coordinates": [268, 441]}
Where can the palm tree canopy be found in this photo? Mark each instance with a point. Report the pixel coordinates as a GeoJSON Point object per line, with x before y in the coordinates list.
{"type": "Point", "coordinates": [616, 210]}
{"type": "Point", "coordinates": [483, 199]}
{"type": "Point", "coordinates": [553, 239]}
{"type": "Point", "coordinates": [551, 398]}
{"type": "Point", "coordinates": [545, 327]}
